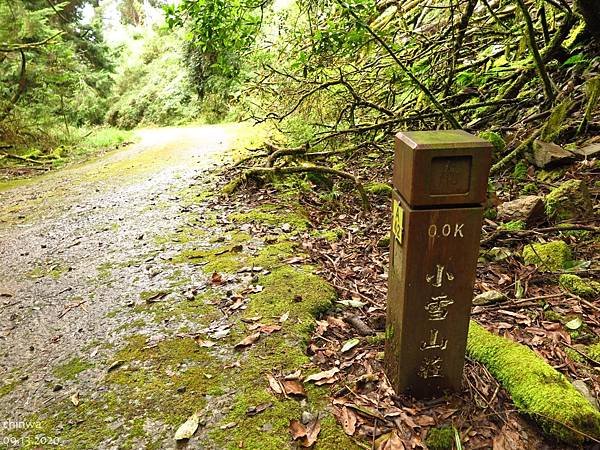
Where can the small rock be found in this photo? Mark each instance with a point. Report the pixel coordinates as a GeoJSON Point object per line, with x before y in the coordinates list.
{"type": "Point", "coordinates": [546, 154]}
{"type": "Point", "coordinates": [306, 417]}
{"type": "Point", "coordinates": [589, 151]}
{"type": "Point", "coordinates": [529, 208]}
{"type": "Point", "coordinates": [267, 427]}
{"type": "Point", "coordinates": [286, 227]}
{"type": "Point", "coordinates": [57, 387]}
{"type": "Point", "coordinates": [570, 200]}
{"type": "Point", "coordinates": [489, 297]}
{"type": "Point", "coordinates": [181, 389]}
{"type": "Point", "coordinates": [585, 391]}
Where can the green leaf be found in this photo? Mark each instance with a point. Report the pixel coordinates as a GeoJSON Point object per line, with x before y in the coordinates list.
{"type": "Point", "coordinates": [579, 58]}
{"type": "Point", "coordinates": [574, 324]}
{"type": "Point", "coordinates": [349, 344]}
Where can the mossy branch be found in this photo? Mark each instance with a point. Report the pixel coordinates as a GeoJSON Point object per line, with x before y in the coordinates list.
{"type": "Point", "coordinates": [549, 90]}
{"type": "Point", "coordinates": [536, 388]}
{"type": "Point", "coordinates": [497, 233]}
{"type": "Point", "coordinates": [517, 152]}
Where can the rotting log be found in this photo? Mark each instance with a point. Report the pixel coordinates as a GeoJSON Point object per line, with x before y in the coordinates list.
{"type": "Point", "coordinates": [537, 389]}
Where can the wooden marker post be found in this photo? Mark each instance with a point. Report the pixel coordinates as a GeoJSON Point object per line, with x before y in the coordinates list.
{"type": "Point", "coordinates": [440, 184]}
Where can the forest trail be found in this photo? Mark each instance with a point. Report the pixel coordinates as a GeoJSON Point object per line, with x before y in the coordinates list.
{"type": "Point", "coordinates": [81, 248]}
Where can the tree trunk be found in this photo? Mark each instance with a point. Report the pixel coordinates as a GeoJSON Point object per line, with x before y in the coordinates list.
{"type": "Point", "coordinates": [590, 10]}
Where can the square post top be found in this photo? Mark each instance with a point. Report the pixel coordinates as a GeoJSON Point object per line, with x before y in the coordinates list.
{"type": "Point", "coordinates": [447, 167]}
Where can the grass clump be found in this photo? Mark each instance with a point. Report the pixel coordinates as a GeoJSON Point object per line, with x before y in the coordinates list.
{"type": "Point", "coordinates": [536, 388]}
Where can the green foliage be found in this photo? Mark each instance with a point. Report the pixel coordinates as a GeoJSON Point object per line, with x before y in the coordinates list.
{"type": "Point", "coordinates": [55, 73]}
{"type": "Point", "coordinates": [513, 225]}
{"type": "Point", "coordinates": [554, 124]}
{"type": "Point", "coordinates": [569, 200]}
{"type": "Point", "coordinates": [495, 139]}
{"type": "Point", "coordinates": [219, 34]}
{"type": "Point", "coordinates": [520, 170]}
{"type": "Point", "coordinates": [152, 87]}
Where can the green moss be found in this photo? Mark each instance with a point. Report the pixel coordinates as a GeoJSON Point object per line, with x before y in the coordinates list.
{"type": "Point", "coordinates": [147, 296]}
{"type": "Point", "coordinates": [382, 189]}
{"type": "Point", "coordinates": [553, 316]}
{"type": "Point", "coordinates": [376, 339]}
{"type": "Point", "coordinates": [7, 388]}
{"type": "Point", "coordinates": [441, 438]}
{"type": "Point", "coordinates": [301, 294]}
{"type": "Point", "coordinates": [535, 387]}
{"type": "Point", "coordinates": [273, 215]}
{"type": "Point", "coordinates": [490, 213]}
{"type": "Point", "coordinates": [71, 369]}
{"type": "Point", "coordinates": [553, 256]}
{"type": "Point", "coordinates": [272, 255]}
{"type": "Point", "coordinates": [573, 355]}
{"type": "Point", "coordinates": [105, 270]}
{"type": "Point", "coordinates": [593, 351]}
{"type": "Point", "coordinates": [568, 201]}
{"type": "Point", "coordinates": [530, 188]}
{"type": "Point", "coordinates": [495, 139]}
{"type": "Point", "coordinates": [520, 170]}
{"type": "Point", "coordinates": [329, 235]}
{"type": "Point", "coordinates": [553, 125]}
{"type": "Point", "coordinates": [290, 288]}
{"type": "Point", "coordinates": [513, 225]}
{"type": "Point", "coordinates": [49, 270]}
{"type": "Point", "coordinates": [548, 176]}
{"type": "Point", "coordinates": [578, 286]}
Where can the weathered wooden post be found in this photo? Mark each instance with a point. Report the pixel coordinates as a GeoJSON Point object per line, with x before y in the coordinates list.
{"type": "Point", "coordinates": [440, 184]}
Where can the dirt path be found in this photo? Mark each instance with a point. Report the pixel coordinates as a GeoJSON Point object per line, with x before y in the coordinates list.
{"type": "Point", "coordinates": [113, 331]}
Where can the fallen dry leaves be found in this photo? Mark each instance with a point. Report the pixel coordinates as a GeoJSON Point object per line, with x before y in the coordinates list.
{"type": "Point", "coordinates": [307, 434]}
{"type": "Point", "coordinates": [294, 388]}
{"type": "Point", "coordinates": [248, 340]}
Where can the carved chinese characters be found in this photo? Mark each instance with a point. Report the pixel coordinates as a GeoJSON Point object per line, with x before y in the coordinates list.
{"type": "Point", "coordinates": [433, 260]}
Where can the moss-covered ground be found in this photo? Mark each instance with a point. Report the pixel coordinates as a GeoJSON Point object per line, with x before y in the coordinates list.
{"type": "Point", "coordinates": [158, 377]}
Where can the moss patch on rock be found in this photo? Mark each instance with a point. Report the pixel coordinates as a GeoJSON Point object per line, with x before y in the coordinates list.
{"type": "Point", "coordinates": [441, 438]}
{"type": "Point", "coordinates": [568, 201]}
{"type": "Point", "coordinates": [553, 256]}
{"type": "Point", "coordinates": [578, 286]}
{"type": "Point", "coordinates": [536, 388]}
